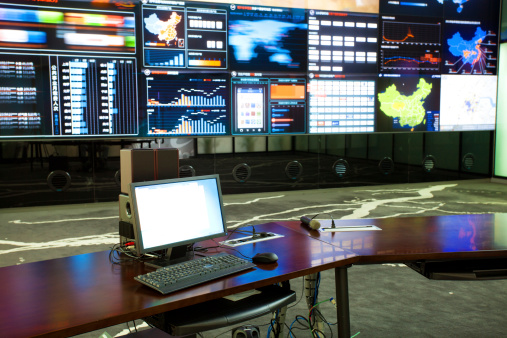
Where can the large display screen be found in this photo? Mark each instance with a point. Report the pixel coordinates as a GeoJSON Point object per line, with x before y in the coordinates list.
{"type": "Point", "coordinates": [408, 103]}
{"type": "Point", "coordinates": [345, 105]}
{"type": "Point", "coordinates": [342, 43]}
{"type": "Point", "coordinates": [68, 69]}
{"type": "Point", "coordinates": [267, 39]}
{"type": "Point", "coordinates": [76, 69]}
{"type": "Point", "coordinates": [410, 45]}
{"type": "Point", "coordinates": [184, 36]}
{"type": "Point", "coordinates": [268, 105]}
{"type": "Point", "coordinates": [180, 104]}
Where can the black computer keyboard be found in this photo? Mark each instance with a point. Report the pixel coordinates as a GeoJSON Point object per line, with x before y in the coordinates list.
{"type": "Point", "coordinates": [183, 275]}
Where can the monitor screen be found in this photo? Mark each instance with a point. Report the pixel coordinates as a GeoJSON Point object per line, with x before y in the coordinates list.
{"type": "Point", "coordinates": [130, 69]}
{"type": "Point", "coordinates": [178, 36]}
{"type": "Point", "coordinates": [342, 43]}
{"type": "Point", "coordinates": [410, 45]}
{"type": "Point", "coordinates": [176, 212]}
{"type": "Point", "coordinates": [187, 104]}
{"type": "Point", "coordinates": [268, 105]}
{"type": "Point", "coordinates": [408, 103]}
{"type": "Point", "coordinates": [341, 103]}
{"type": "Point", "coordinates": [267, 39]}
{"type": "Point", "coordinates": [68, 69]}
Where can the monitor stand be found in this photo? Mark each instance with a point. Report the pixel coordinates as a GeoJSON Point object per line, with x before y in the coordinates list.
{"type": "Point", "coordinates": [172, 256]}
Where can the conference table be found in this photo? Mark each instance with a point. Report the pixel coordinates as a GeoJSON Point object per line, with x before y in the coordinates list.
{"type": "Point", "coordinates": [82, 293]}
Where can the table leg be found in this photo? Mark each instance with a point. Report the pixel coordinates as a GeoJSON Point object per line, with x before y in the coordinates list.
{"type": "Point", "coordinates": [342, 301]}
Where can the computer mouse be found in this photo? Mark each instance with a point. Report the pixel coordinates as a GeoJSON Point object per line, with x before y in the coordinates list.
{"type": "Point", "coordinates": [265, 257]}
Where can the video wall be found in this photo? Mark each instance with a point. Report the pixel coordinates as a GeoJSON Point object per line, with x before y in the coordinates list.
{"type": "Point", "coordinates": [156, 68]}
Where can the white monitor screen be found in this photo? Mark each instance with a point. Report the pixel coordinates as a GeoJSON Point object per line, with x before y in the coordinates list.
{"type": "Point", "coordinates": [468, 102]}
{"type": "Point", "coordinates": [169, 213]}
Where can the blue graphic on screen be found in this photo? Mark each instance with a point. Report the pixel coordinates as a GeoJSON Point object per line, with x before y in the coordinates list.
{"type": "Point", "coordinates": [474, 56]}
{"type": "Point", "coordinates": [483, 10]}
{"type": "Point", "coordinates": [252, 36]}
{"type": "Point", "coordinates": [433, 8]}
{"type": "Point", "coordinates": [460, 4]}
{"type": "Point", "coordinates": [267, 41]}
{"type": "Point", "coordinates": [469, 50]}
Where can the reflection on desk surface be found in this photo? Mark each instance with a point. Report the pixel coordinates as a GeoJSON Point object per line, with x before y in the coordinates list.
{"type": "Point", "coordinates": [411, 237]}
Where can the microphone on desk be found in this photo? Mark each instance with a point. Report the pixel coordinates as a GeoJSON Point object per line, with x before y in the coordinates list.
{"type": "Point", "coordinates": [310, 222]}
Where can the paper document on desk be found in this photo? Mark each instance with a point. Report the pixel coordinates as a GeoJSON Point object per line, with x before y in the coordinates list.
{"type": "Point", "coordinates": [351, 228]}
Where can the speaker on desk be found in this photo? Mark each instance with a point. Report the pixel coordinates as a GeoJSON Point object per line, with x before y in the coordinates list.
{"type": "Point", "coordinates": [125, 225]}
{"type": "Point", "coordinates": [246, 331]}
{"type": "Point", "coordinates": [125, 208]}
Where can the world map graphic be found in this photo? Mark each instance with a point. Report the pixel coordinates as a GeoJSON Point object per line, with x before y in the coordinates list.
{"type": "Point", "coordinates": [247, 36]}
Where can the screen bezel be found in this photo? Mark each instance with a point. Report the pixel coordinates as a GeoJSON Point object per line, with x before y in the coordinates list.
{"type": "Point", "coordinates": [139, 245]}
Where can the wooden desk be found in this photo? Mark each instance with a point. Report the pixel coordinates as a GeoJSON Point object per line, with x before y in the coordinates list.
{"type": "Point", "coordinates": [73, 295]}
{"type": "Point", "coordinates": [77, 294]}
{"type": "Point", "coordinates": [405, 239]}
{"type": "Point", "coordinates": [410, 239]}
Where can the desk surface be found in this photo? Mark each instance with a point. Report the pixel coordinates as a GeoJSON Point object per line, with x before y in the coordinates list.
{"type": "Point", "coordinates": [404, 239]}
{"type": "Point", "coordinates": [68, 296]}
{"type": "Point", "coordinates": [73, 295]}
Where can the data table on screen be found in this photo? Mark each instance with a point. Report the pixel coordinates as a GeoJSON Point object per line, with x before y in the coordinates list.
{"type": "Point", "coordinates": [341, 105]}
{"type": "Point", "coordinates": [24, 98]}
{"type": "Point", "coordinates": [97, 96]}
{"type": "Point", "coordinates": [340, 42]}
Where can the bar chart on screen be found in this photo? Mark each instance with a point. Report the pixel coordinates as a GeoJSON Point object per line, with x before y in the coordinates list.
{"type": "Point", "coordinates": [187, 104]}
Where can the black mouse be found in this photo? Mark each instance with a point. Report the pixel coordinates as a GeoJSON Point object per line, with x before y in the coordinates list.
{"type": "Point", "coordinates": [265, 257]}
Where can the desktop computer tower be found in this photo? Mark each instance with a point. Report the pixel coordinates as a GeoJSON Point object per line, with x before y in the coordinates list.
{"type": "Point", "coordinates": [166, 163]}
{"type": "Point", "coordinates": [138, 165]}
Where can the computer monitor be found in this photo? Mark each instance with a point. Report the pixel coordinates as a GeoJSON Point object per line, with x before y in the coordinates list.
{"type": "Point", "coordinates": [173, 213]}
